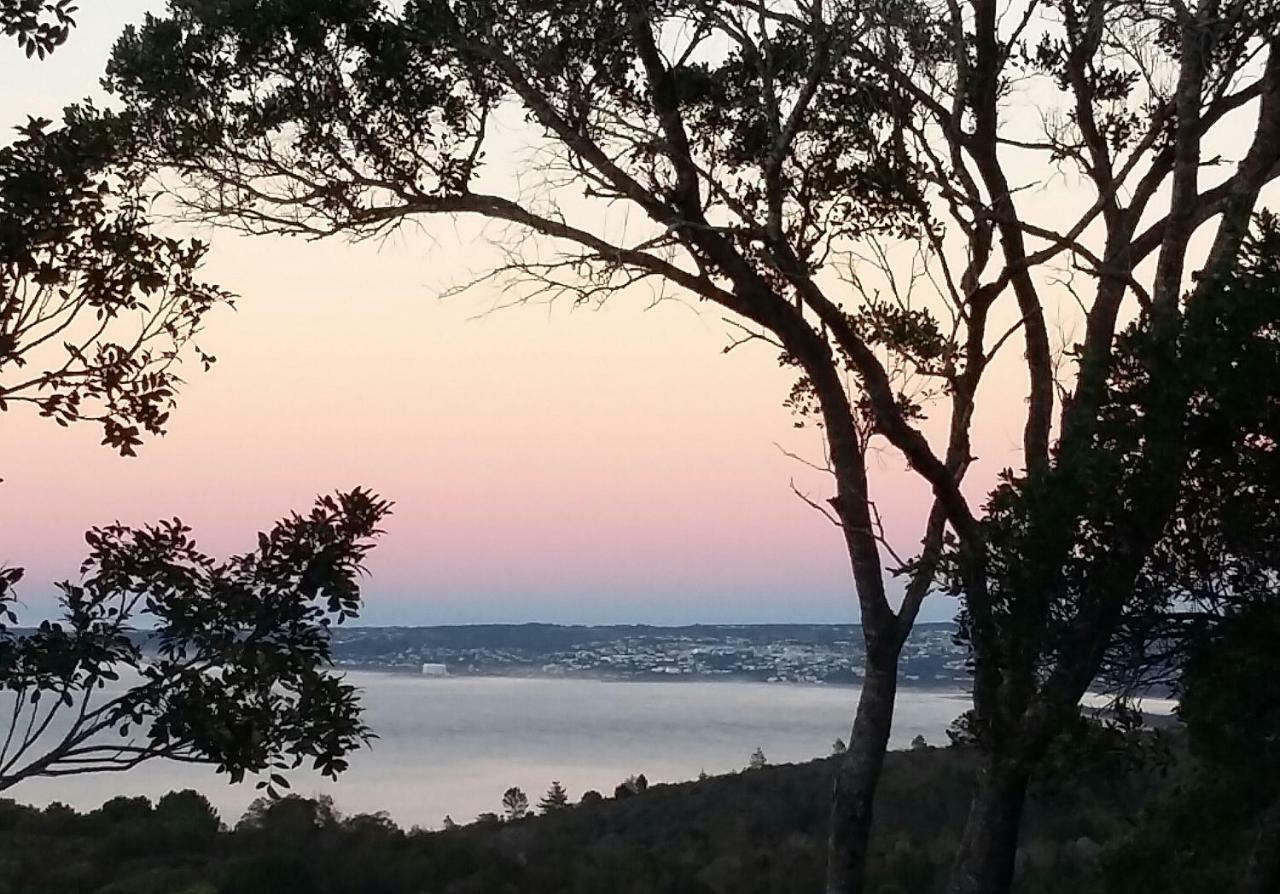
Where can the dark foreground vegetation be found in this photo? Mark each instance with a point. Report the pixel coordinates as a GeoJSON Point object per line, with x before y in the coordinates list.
{"type": "Point", "coordinates": [1112, 825]}
{"type": "Point", "coordinates": [894, 201]}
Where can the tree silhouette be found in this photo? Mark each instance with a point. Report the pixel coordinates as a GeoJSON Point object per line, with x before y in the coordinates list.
{"type": "Point", "coordinates": [748, 191]}
{"type": "Point", "coordinates": [290, 817]}
{"type": "Point", "coordinates": [96, 310]}
{"type": "Point", "coordinates": [757, 761]}
{"type": "Point", "coordinates": [515, 804]}
{"type": "Point", "coordinates": [164, 652]}
{"type": "Point", "coordinates": [556, 798]}
{"type": "Point", "coordinates": [39, 26]}
{"type": "Point", "coordinates": [848, 183]}
{"type": "Point", "coordinates": [1221, 825]}
{"type": "Point", "coordinates": [188, 817]}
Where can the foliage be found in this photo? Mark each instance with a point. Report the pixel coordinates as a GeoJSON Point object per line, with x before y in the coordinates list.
{"type": "Point", "coordinates": [1210, 527]}
{"type": "Point", "coordinates": [1101, 569]}
{"type": "Point", "coordinates": [515, 804]}
{"type": "Point", "coordinates": [749, 833]}
{"type": "Point", "coordinates": [1220, 557]}
{"type": "Point", "coordinates": [757, 151]}
{"type": "Point", "coordinates": [39, 26]}
{"type": "Point", "coordinates": [556, 798]}
{"type": "Point", "coordinates": [748, 151]}
{"type": "Point", "coordinates": [163, 651]}
{"type": "Point", "coordinates": [1224, 813]}
{"type": "Point", "coordinates": [96, 310]}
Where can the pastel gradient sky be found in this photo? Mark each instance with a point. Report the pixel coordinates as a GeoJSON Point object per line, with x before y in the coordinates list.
{"type": "Point", "coordinates": [547, 464]}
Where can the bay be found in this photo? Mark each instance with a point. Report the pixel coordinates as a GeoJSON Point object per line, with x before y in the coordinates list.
{"type": "Point", "coordinates": [454, 745]}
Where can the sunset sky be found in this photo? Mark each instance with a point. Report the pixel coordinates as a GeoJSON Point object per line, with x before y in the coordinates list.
{"type": "Point", "coordinates": [547, 464]}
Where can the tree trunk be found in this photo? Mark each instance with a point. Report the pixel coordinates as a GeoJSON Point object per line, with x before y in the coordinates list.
{"type": "Point", "coordinates": [857, 776]}
{"type": "Point", "coordinates": [1262, 874]}
{"type": "Point", "coordinates": [985, 861]}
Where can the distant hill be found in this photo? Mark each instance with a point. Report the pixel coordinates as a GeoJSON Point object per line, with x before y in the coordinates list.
{"type": "Point", "coordinates": [796, 653]}
{"type": "Point", "coordinates": [811, 653]}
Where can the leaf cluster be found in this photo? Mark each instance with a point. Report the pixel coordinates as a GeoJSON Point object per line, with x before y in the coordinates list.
{"type": "Point", "coordinates": [163, 651]}
{"type": "Point", "coordinates": [96, 309]}
{"type": "Point", "coordinates": [39, 26]}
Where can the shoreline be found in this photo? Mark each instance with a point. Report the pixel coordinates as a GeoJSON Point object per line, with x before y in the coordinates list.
{"type": "Point", "coordinates": [958, 690]}
{"type": "Point", "coordinates": [408, 672]}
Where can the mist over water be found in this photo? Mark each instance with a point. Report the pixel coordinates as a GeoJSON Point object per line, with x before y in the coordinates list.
{"type": "Point", "coordinates": [452, 746]}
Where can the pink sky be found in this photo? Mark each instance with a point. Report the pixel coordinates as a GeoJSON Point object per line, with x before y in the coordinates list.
{"type": "Point", "coordinates": [547, 464]}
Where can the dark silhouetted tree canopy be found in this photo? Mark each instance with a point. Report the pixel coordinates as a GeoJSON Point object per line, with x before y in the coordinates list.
{"type": "Point", "coordinates": [556, 798]}
{"type": "Point", "coordinates": [515, 804]}
{"type": "Point", "coordinates": [39, 26]}
{"type": "Point", "coordinates": [96, 310]}
{"type": "Point", "coordinates": [748, 833]}
{"type": "Point", "coordinates": [761, 157]}
{"type": "Point", "coordinates": [162, 651]}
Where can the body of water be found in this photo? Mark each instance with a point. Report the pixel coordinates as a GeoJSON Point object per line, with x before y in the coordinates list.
{"type": "Point", "coordinates": [453, 746]}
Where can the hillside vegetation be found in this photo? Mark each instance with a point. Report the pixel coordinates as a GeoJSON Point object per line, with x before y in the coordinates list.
{"type": "Point", "coordinates": [761, 830]}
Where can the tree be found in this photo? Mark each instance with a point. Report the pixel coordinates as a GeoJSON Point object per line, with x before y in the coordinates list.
{"type": "Point", "coordinates": [757, 760]}
{"type": "Point", "coordinates": [1176, 512]}
{"type": "Point", "coordinates": [771, 148]}
{"type": "Point", "coordinates": [291, 816]}
{"type": "Point", "coordinates": [591, 796]}
{"type": "Point", "coordinates": [39, 26]}
{"type": "Point", "coordinates": [1233, 720]}
{"type": "Point", "coordinates": [632, 785]}
{"type": "Point", "coordinates": [448, 825]}
{"type": "Point", "coordinates": [838, 747]}
{"type": "Point", "coordinates": [188, 818]}
{"type": "Point", "coordinates": [556, 798]}
{"type": "Point", "coordinates": [1219, 827]}
{"type": "Point", "coordinates": [163, 651]}
{"type": "Point", "coordinates": [515, 804]}
{"type": "Point", "coordinates": [97, 311]}
{"type": "Point", "coordinates": [919, 744]}
{"type": "Point", "coordinates": [754, 149]}
{"type": "Point", "coordinates": [1208, 633]}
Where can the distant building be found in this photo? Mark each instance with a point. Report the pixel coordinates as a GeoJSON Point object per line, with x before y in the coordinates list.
{"type": "Point", "coordinates": [434, 670]}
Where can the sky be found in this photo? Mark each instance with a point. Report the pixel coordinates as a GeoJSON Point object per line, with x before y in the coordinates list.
{"type": "Point", "coordinates": [609, 465]}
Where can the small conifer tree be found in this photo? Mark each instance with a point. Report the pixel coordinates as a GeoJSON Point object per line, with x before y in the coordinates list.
{"type": "Point", "coordinates": [556, 798]}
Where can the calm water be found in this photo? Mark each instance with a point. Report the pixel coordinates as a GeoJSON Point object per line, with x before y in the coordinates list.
{"type": "Point", "coordinates": [452, 746]}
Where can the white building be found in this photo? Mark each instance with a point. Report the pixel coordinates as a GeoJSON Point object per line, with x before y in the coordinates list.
{"type": "Point", "coordinates": [434, 670]}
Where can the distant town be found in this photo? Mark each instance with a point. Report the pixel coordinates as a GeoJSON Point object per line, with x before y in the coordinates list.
{"type": "Point", "coordinates": [771, 653]}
